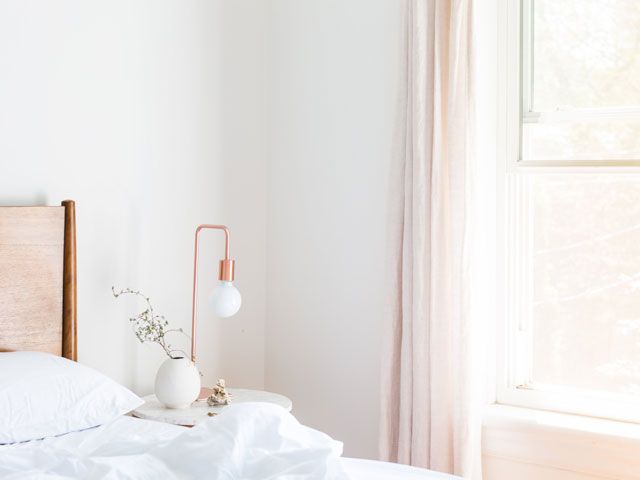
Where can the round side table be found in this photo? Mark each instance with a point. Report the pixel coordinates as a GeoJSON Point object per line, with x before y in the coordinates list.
{"type": "Point", "coordinates": [199, 411]}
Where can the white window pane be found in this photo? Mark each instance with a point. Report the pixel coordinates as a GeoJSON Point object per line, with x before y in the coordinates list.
{"type": "Point", "coordinates": [586, 53]}
{"type": "Point", "coordinates": [586, 282]}
{"type": "Point", "coordinates": [586, 139]}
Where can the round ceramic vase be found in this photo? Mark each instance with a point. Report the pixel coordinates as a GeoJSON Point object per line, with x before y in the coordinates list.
{"type": "Point", "coordinates": [177, 383]}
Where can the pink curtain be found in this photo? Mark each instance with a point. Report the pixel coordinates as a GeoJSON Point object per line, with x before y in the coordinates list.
{"type": "Point", "coordinates": [430, 394]}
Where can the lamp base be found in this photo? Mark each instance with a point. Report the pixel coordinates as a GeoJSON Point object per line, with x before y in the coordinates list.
{"type": "Point", "coordinates": [204, 394]}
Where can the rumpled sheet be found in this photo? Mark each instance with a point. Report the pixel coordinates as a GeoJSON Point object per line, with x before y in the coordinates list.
{"type": "Point", "coordinates": [247, 441]}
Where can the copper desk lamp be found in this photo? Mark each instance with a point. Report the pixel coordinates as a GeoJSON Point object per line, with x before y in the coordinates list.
{"type": "Point", "coordinates": [225, 300]}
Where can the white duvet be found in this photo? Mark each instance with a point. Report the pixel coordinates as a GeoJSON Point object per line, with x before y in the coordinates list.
{"type": "Point", "coordinates": [247, 441]}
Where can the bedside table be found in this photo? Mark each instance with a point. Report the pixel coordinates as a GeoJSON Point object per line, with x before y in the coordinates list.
{"type": "Point", "coordinates": [152, 409]}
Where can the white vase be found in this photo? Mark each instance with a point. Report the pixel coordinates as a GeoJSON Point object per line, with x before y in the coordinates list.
{"type": "Point", "coordinates": [177, 383]}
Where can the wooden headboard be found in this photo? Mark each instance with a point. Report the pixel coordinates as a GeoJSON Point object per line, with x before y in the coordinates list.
{"type": "Point", "coordinates": [38, 279]}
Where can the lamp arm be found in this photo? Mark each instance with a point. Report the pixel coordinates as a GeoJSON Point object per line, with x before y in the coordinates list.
{"type": "Point", "coordinates": [226, 274]}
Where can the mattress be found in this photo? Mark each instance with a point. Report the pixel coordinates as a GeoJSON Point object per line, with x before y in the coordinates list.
{"type": "Point", "coordinates": [128, 430]}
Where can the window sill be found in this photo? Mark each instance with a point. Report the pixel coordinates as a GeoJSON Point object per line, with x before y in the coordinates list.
{"type": "Point", "coordinates": [587, 445]}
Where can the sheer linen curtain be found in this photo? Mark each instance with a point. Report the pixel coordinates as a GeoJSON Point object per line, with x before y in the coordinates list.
{"type": "Point", "coordinates": [431, 398]}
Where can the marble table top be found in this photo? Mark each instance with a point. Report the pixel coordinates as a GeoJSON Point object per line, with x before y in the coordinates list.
{"type": "Point", "coordinates": [152, 409]}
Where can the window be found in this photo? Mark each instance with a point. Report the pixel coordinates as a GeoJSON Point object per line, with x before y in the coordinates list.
{"type": "Point", "coordinates": [570, 209]}
{"type": "Point", "coordinates": [580, 80]}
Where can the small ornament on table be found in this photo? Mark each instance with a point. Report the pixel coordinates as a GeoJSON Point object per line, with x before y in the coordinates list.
{"type": "Point", "coordinates": [220, 396]}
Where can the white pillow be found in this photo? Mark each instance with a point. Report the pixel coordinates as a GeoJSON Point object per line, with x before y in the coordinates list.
{"type": "Point", "coordinates": [42, 395]}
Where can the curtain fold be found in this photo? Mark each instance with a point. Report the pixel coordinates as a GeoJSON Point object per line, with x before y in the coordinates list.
{"type": "Point", "coordinates": [430, 390]}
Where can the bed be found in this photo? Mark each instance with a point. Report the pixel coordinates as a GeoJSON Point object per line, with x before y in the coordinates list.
{"type": "Point", "coordinates": [38, 321]}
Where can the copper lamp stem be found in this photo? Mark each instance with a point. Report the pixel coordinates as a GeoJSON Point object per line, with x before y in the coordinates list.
{"type": "Point", "coordinates": [225, 274]}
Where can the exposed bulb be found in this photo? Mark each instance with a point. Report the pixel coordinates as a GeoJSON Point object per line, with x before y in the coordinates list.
{"type": "Point", "coordinates": [225, 300]}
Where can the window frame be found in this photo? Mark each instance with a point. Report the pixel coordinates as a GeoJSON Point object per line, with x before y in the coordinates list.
{"type": "Point", "coordinates": [514, 339]}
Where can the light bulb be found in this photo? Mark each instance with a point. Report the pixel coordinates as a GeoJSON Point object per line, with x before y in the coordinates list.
{"type": "Point", "coordinates": [225, 300]}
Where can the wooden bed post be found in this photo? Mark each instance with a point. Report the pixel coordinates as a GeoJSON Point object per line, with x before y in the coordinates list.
{"type": "Point", "coordinates": [69, 298]}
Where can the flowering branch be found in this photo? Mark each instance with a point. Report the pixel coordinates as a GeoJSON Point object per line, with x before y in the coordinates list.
{"type": "Point", "coordinates": [149, 327]}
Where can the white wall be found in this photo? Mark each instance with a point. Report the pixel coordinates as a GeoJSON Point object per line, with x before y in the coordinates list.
{"type": "Point", "coordinates": [334, 68]}
{"type": "Point", "coordinates": [152, 116]}
{"type": "Point", "coordinates": [158, 115]}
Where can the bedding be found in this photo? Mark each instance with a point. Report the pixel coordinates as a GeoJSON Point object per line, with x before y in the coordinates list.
{"type": "Point", "coordinates": [43, 395]}
{"type": "Point", "coordinates": [248, 441]}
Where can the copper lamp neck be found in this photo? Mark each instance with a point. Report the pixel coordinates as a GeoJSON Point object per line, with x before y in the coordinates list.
{"type": "Point", "coordinates": [226, 272]}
